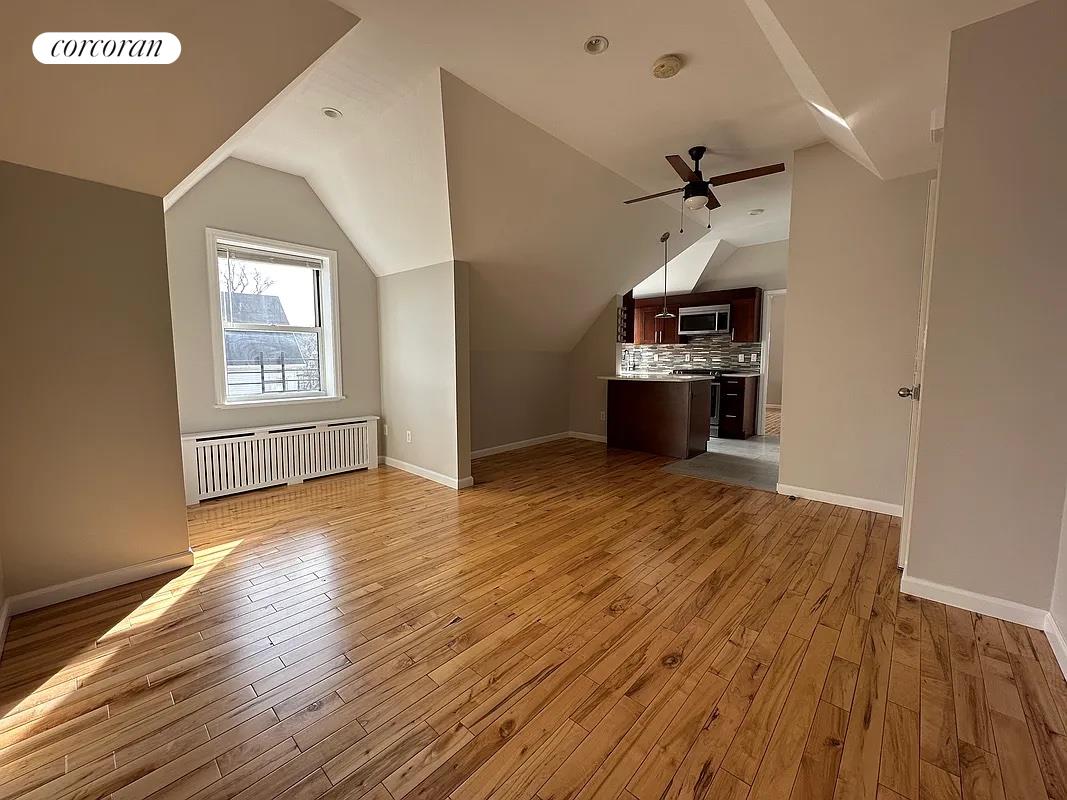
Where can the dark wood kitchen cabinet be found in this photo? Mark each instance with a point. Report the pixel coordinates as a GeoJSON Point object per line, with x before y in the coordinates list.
{"type": "Point", "coordinates": [746, 307]}
{"type": "Point", "coordinates": [745, 317]}
{"type": "Point", "coordinates": [649, 330]}
{"type": "Point", "coordinates": [737, 406]}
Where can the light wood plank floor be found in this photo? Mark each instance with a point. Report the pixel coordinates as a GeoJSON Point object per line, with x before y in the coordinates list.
{"type": "Point", "coordinates": [772, 421]}
{"type": "Point", "coordinates": [580, 624]}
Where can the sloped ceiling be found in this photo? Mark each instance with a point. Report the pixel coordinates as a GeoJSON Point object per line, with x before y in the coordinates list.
{"type": "Point", "coordinates": [882, 66]}
{"type": "Point", "coordinates": [684, 270]}
{"type": "Point", "coordinates": [732, 95]}
{"type": "Point", "coordinates": [541, 225]}
{"type": "Point", "coordinates": [380, 169]}
{"type": "Point", "coordinates": [146, 127]}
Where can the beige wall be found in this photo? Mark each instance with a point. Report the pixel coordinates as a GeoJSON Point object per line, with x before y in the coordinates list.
{"type": "Point", "coordinates": [147, 127]}
{"type": "Point", "coordinates": [247, 198]}
{"type": "Point", "coordinates": [776, 305]}
{"type": "Point", "coordinates": [421, 321]}
{"type": "Point", "coordinates": [991, 468]}
{"type": "Point", "coordinates": [596, 354]}
{"type": "Point", "coordinates": [97, 481]}
{"type": "Point", "coordinates": [763, 265]}
{"type": "Point", "coordinates": [517, 395]}
{"type": "Point", "coordinates": [543, 260]}
{"type": "Point", "coordinates": [855, 264]}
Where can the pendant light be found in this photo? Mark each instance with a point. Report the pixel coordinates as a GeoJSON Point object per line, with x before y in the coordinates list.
{"type": "Point", "coordinates": [665, 314]}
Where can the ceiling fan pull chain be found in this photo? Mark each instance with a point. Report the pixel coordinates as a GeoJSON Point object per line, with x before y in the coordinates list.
{"type": "Point", "coordinates": [681, 218]}
{"type": "Point", "coordinates": [709, 218]}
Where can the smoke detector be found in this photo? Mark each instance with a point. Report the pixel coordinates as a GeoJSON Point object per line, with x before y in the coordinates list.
{"type": "Point", "coordinates": [332, 113]}
{"type": "Point", "coordinates": [595, 45]}
{"type": "Point", "coordinates": [667, 66]}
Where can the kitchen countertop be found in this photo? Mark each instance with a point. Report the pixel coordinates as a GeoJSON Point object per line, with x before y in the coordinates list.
{"type": "Point", "coordinates": [653, 377]}
{"type": "Point", "coordinates": [668, 378]}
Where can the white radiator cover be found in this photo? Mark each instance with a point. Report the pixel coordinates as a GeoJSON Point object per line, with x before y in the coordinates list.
{"type": "Point", "coordinates": [218, 463]}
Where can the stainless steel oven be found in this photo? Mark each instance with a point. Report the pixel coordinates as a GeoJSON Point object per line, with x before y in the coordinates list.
{"type": "Point", "coordinates": [698, 320]}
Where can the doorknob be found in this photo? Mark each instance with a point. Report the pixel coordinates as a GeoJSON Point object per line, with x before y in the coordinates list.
{"type": "Point", "coordinates": [908, 391]}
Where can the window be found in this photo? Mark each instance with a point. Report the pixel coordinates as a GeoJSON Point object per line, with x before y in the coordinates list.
{"type": "Point", "coordinates": [275, 320]}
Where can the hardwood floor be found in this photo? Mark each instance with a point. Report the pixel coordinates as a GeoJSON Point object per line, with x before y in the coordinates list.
{"type": "Point", "coordinates": [772, 425]}
{"type": "Point", "coordinates": [579, 624]}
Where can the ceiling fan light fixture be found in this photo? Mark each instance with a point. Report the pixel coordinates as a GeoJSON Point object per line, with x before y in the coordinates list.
{"type": "Point", "coordinates": [696, 202]}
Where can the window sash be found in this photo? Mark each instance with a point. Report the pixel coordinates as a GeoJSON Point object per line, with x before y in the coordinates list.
{"type": "Point", "coordinates": [223, 245]}
{"type": "Point", "coordinates": [278, 257]}
{"type": "Point", "coordinates": [321, 341]}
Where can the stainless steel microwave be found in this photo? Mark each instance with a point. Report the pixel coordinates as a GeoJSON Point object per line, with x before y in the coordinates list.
{"type": "Point", "coordinates": [697, 320]}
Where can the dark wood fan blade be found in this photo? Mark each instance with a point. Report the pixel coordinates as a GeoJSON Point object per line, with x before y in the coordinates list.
{"type": "Point", "coordinates": [684, 171]}
{"type": "Point", "coordinates": [657, 194]}
{"type": "Point", "coordinates": [713, 201]}
{"type": "Point", "coordinates": [745, 174]}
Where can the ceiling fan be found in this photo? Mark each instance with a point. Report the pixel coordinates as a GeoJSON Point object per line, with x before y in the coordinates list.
{"type": "Point", "coordinates": [697, 191]}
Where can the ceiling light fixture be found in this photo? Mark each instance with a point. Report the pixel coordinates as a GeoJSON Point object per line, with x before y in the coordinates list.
{"type": "Point", "coordinates": [755, 212]}
{"type": "Point", "coordinates": [665, 314]}
{"type": "Point", "coordinates": [667, 66]}
{"type": "Point", "coordinates": [595, 45]}
{"type": "Point", "coordinates": [830, 115]}
{"type": "Point", "coordinates": [332, 113]}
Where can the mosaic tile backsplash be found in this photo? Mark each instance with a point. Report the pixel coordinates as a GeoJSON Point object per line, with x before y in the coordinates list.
{"type": "Point", "coordinates": [713, 352]}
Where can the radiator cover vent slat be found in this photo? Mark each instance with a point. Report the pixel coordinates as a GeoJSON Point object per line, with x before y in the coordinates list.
{"type": "Point", "coordinates": [228, 462]}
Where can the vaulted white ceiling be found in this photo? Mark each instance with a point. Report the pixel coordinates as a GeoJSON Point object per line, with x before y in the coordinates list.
{"type": "Point", "coordinates": [752, 69]}
{"type": "Point", "coordinates": [147, 127]}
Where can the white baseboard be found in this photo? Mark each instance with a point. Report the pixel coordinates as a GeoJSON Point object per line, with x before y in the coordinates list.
{"type": "Point", "coordinates": [50, 595]}
{"type": "Point", "coordinates": [589, 437]}
{"type": "Point", "coordinates": [552, 437]}
{"type": "Point", "coordinates": [5, 618]}
{"type": "Point", "coordinates": [1059, 644]}
{"type": "Point", "coordinates": [503, 448]}
{"type": "Point", "coordinates": [429, 474]}
{"type": "Point", "coordinates": [862, 503]}
{"type": "Point", "coordinates": [971, 601]}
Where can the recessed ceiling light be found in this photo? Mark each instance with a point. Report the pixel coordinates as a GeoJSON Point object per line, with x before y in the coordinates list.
{"type": "Point", "coordinates": [830, 115]}
{"type": "Point", "coordinates": [595, 45]}
{"type": "Point", "coordinates": [332, 113]}
{"type": "Point", "coordinates": [755, 212]}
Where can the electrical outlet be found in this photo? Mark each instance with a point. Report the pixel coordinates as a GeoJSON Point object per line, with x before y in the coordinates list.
{"type": "Point", "coordinates": [408, 434]}
{"type": "Point", "coordinates": [385, 428]}
{"type": "Point", "coordinates": [688, 357]}
{"type": "Point", "coordinates": [655, 357]}
{"type": "Point", "coordinates": [741, 359]}
{"type": "Point", "coordinates": [753, 357]}
{"type": "Point", "coordinates": [603, 416]}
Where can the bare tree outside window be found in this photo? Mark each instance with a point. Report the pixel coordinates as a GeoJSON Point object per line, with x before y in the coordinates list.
{"type": "Point", "coordinates": [243, 280]}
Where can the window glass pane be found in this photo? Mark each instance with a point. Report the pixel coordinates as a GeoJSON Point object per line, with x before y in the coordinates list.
{"type": "Point", "coordinates": [268, 294]}
{"type": "Point", "coordinates": [271, 362]}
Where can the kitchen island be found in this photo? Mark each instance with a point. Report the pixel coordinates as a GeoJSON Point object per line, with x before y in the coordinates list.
{"type": "Point", "coordinates": [669, 415]}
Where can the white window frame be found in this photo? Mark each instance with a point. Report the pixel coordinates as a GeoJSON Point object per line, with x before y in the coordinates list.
{"type": "Point", "coordinates": [330, 356]}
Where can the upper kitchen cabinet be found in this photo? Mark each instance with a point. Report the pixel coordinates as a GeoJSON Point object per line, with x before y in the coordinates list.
{"type": "Point", "coordinates": [745, 316]}
{"type": "Point", "coordinates": [746, 306]}
{"type": "Point", "coordinates": [650, 330]}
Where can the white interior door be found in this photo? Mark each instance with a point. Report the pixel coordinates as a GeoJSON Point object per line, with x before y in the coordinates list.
{"type": "Point", "coordinates": [915, 397]}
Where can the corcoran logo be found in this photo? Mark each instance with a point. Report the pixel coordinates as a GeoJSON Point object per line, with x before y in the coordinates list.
{"type": "Point", "coordinates": [137, 47]}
